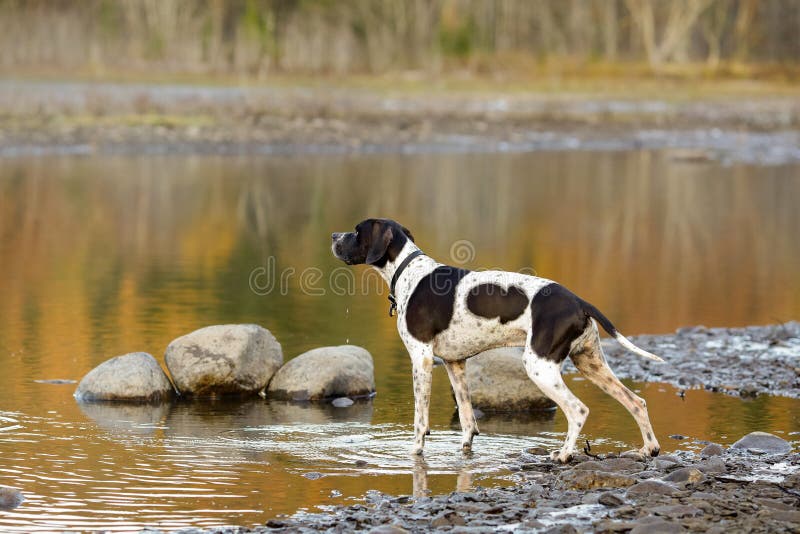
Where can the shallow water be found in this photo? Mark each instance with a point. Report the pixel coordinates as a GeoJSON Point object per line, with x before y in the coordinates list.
{"type": "Point", "coordinates": [107, 255]}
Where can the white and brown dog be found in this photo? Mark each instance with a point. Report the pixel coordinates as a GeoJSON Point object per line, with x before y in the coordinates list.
{"type": "Point", "coordinates": [455, 314]}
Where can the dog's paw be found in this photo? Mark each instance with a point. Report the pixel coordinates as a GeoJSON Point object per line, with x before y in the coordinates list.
{"type": "Point", "coordinates": [649, 452]}
{"type": "Point", "coordinates": [561, 457]}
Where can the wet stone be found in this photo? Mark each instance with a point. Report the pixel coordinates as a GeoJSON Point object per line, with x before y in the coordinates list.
{"type": "Point", "coordinates": [587, 479]}
{"type": "Point", "coordinates": [651, 487]}
{"type": "Point", "coordinates": [677, 511]}
{"type": "Point", "coordinates": [791, 481]}
{"type": "Point", "coordinates": [712, 449]}
{"type": "Point", "coordinates": [610, 499]}
{"type": "Point", "coordinates": [388, 529]}
{"type": "Point", "coordinates": [342, 402]}
{"type": "Point", "coordinates": [10, 498]}
{"type": "Point", "coordinates": [762, 442]}
{"type": "Point", "coordinates": [689, 475]}
{"type": "Point", "coordinates": [712, 465]}
{"type": "Point", "coordinates": [655, 525]}
{"type": "Point", "coordinates": [446, 519]}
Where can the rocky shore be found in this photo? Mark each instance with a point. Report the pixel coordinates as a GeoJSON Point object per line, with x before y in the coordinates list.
{"type": "Point", "coordinates": [85, 118]}
{"type": "Point", "coordinates": [746, 362]}
{"type": "Point", "coordinates": [752, 487]}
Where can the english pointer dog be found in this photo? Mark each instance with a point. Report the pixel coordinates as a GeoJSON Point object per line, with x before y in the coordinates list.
{"type": "Point", "coordinates": [454, 313]}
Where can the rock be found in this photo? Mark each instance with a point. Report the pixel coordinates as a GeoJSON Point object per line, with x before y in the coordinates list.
{"type": "Point", "coordinates": [689, 475]}
{"type": "Point", "coordinates": [762, 442]}
{"type": "Point", "coordinates": [712, 465]}
{"type": "Point", "coordinates": [448, 518]}
{"type": "Point", "coordinates": [342, 402]}
{"type": "Point", "coordinates": [388, 529]}
{"type": "Point", "coordinates": [498, 382]}
{"type": "Point", "coordinates": [612, 500]}
{"type": "Point", "coordinates": [587, 479]}
{"type": "Point", "coordinates": [313, 475]}
{"type": "Point", "coordinates": [223, 360]}
{"type": "Point", "coordinates": [712, 449]}
{"type": "Point", "coordinates": [134, 377]}
{"type": "Point", "coordinates": [655, 525]}
{"type": "Point", "coordinates": [664, 465]}
{"type": "Point", "coordinates": [677, 511]}
{"type": "Point", "coordinates": [650, 487]}
{"type": "Point", "coordinates": [791, 481]}
{"type": "Point", "coordinates": [10, 498]}
{"type": "Point", "coordinates": [324, 373]}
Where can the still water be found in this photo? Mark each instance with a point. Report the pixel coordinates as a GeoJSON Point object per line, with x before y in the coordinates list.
{"type": "Point", "coordinates": [101, 256]}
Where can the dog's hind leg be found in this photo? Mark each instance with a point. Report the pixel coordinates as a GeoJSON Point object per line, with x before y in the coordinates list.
{"type": "Point", "coordinates": [456, 371]}
{"type": "Point", "coordinates": [422, 363]}
{"type": "Point", "coordinates": [587, 355]}
{"type": "Point", "coordinates": [547, 376]}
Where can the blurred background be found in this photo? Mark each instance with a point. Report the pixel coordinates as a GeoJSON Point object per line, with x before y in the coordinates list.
{"type": "Point", "coordinates": [256, 39]}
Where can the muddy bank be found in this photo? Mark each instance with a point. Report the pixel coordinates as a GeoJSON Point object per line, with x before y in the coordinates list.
{"type": "Point", "coordinates": [715, 490]}
{"type": "Point", "coordinates": [85, 118]}
{"type": "Point", "coordinates": [751, 361]}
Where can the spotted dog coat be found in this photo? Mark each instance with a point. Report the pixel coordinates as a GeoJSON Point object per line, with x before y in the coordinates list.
{"type": "Point", "coordinates": [455, 314]}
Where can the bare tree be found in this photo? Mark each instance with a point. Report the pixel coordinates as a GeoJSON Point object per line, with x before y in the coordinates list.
{"type": "Point", "coordinates": [679, 20]}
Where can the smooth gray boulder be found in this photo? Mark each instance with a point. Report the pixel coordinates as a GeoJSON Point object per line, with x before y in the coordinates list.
{"type": "Point", "coordinates": [134, 377]}
{"type": "Point", "coordinates": [233, 359]}
{"type": "Point", "coordinates": [498, 382]}
{"type": "Point", "coordinates": [325, 373]}
{"type": "Point", "coordinates": [763, 442]}
{"type": "Point", "coordinates": [10, 498]}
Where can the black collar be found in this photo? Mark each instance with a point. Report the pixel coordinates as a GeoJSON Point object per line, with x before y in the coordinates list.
{"type": "Point", "coordinates": [397, 273]}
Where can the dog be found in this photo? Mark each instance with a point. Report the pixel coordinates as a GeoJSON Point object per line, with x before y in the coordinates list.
{"type": "Point", "coordinates": [454, 314]}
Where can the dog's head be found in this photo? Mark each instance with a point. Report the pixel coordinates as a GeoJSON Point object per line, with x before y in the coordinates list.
{"type": "Point", "coordinates": [374, 242]}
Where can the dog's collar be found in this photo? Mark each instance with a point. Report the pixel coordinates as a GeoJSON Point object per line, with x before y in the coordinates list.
{"type": "Point", "coordinates": [400, 268]}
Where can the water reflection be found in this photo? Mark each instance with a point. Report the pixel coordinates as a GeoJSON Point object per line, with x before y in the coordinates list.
{"type": "Point", "coordinates": [419, 478]}
{"type": "Point", "coordinates": [141, 419]}
{"type": "Point", "coordinates": [107, 255]}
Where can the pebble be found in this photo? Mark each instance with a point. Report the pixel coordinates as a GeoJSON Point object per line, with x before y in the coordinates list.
{"type": "Point", "coordinates": [610, 499]}
{"type": "Point", "coordinates": [587, 479]}
{"type": "Point", "coordinates": [677, 511]}
{"type": "Point", "coordinates": [712, 465]}
{"type": "Point", "coordinates": [342, 402]}
{"type": "Point", "coordinates": [447, 519]}
{"type": "Point", "coordinates": [656, 526]}
{"type": "Point", "coordinates": [688, 475]}
{"type": "Point", "coordinates": [10, 498]}
{"type": "Point", "coordinates": [712, 449]}
{"type": "Point", "coordinates": [651, 487]}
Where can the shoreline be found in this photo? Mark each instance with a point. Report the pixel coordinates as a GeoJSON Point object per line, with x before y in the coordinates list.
{"type": "Point", "coordinates": [80, 118]}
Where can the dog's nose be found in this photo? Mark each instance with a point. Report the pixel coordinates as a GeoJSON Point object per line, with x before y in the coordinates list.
{"type": "Point", "coordinates": [335, 236]}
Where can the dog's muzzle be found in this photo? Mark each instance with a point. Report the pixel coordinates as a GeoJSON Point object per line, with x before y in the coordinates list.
{"type": "Point", "coordinates": [335, 238]}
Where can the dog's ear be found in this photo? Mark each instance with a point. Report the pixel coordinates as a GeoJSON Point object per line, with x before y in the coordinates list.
{"type": "Point", "coordinates": [408, 234]}
{"type": "Point", "coordinates": [381, 237]}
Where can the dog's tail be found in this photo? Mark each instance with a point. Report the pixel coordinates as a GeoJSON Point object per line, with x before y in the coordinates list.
{"type": "Point", "coordinates": [595, 314]}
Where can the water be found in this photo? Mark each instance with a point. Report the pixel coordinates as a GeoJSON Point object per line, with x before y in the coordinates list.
{"type": "Point", "coordinates": [105, 255]}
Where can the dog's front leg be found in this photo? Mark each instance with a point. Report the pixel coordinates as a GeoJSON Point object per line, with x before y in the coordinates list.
{"type": "Point", "coordinates": [422, 361]}
{"type": "Point", "coordinates": [457, 373]}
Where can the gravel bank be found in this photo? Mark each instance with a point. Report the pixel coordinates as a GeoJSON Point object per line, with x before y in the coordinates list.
{"type": "Point", "coordinates": [85, 118]}
{"type": "Point", "coordinates": [751, 361]}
